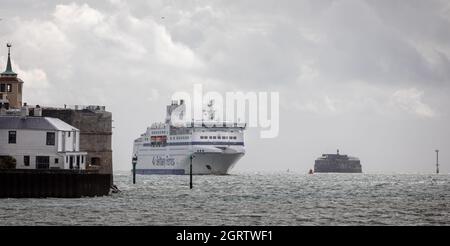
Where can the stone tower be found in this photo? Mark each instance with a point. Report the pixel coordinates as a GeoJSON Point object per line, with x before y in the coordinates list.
{"type": "Point", "coordinates": [10, 86]}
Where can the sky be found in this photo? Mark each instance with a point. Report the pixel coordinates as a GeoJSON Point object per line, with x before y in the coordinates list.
{"type": "Point", "coordinates": [368, 77]}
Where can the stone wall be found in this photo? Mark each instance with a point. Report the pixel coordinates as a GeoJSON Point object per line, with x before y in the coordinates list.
{"type": "Point", "coordinates": [337, 166]}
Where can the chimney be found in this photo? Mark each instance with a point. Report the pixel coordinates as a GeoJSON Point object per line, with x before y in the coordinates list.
{"type": "Point", "coordinates": [24, 110]}
{"type": "Point", "coordinates": [38, 111]}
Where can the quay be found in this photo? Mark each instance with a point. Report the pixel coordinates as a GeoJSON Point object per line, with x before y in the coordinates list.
{"type": "Point", "coordinates": [29, 183]}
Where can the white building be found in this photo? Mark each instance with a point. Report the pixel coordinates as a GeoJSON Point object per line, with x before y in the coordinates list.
{"type": "Point", "coordinates": [41, 143]}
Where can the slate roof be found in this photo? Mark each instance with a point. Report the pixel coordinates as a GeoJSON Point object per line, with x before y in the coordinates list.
{"type": "Point", "coordinates": [34, 123]}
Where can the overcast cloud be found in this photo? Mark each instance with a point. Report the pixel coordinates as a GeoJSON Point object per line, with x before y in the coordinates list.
{"type": "Point", "coordinates": [371, 78]}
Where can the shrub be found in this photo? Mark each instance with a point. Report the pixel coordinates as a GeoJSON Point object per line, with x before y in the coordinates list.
{"type": "Point", "coordinates": [7, 162]}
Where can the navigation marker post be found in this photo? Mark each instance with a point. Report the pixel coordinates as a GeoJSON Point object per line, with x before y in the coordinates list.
{"type": "Point", "coordinates": [190, 172]}
{"type": "Point", "coordinates": [437, 161]}
{"type": "Point", "coordinates": [134, 161]}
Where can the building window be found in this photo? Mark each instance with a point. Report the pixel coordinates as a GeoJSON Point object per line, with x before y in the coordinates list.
{"type": "Point", "coordinates": [2, 88]}
{"type": "Point", "coordinates": [42, 162]}
{"type": "Point", "coordinates": [82, 159]}
{"type": "Point", "coordinates": [68, 134]}
{"type": "Point", "coordinates": [12, 137]}
{"type": "Point", "coordinates": [95, 161]}
{"type": "Point", "coordinates": [8, 88]}
{"type": "Point", "coordinates": [26, 160]}
{"type": "Point", "coordinates": [56, 160]}
{"type": "Point", "coordinates": [50, 138]}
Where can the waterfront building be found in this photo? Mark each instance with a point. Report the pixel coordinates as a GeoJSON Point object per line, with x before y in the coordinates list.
{"type": "Point", "coordinates": [37, 142]}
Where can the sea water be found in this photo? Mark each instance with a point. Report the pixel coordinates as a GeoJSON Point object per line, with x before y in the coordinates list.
{"type": "Point", "coordinates": [249, 198]}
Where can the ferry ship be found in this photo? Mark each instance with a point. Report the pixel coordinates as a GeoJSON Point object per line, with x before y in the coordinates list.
{"type": "Point", "coordinates": [213, 146]}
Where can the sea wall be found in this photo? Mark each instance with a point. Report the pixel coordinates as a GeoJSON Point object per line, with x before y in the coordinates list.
{"type": "Point", "coordinates": [20, 183]}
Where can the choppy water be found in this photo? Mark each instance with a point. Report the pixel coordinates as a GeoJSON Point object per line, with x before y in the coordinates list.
{"type": "Point", "coordinates": [249, 199]}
